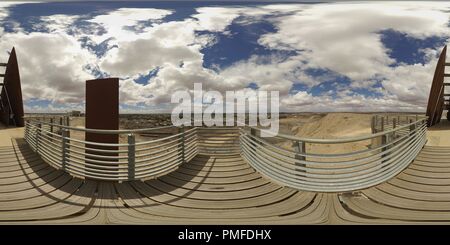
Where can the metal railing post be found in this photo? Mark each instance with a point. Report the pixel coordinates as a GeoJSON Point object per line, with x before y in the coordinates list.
{"type": "Point", "coordinates": [394, 125]}
{"type": "Point", "coordinates": [51, 129]}
{"type": "Point", "coordinates": [412, 127]}
{"type": "Point", "coordinates": [65, 135]}
{"type": "Point", "coordinates": [386, 139]}
{"type": "Point", "coordinates": [299, 147]}
{"type": "Point", "coordinates": [181, 130]}
{"type": "Point", "coordinates": [25, 133]}
{"type": "Point", "coordinates": [60, 125]}
{"type": "Point", "coordinates": [131, 156]}
{"type": "Point", "coordinates": [373, 124]}
{"type": "Point", "coordinates": [38, 136]}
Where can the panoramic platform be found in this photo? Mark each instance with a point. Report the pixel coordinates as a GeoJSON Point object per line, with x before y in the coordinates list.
{"type": "Point", "coordinates": [213, 188]}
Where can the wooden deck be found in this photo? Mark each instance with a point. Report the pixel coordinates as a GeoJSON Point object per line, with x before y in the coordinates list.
{"type": "Point", "coordinates": [215, 190]}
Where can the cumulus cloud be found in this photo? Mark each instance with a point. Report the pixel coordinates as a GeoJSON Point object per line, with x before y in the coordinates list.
{"type": "Point", "coordinates": [345, 38]}
{"type": "Point", "coordinates": [342, 40]}
{"type": "Point", "coordinates": [51, 65]}
{"type": "Point", "coordinates": [118, 23]}
{"type": "Point", "coordinates": [166, 43]}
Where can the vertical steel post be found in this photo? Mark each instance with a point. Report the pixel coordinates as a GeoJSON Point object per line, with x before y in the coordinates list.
{"type": "Point", "coordinates": [182, 145]}
{"type": "Point", "coordinates": [394, 125]}
{"type": "Point", "coordinates": [385, 139]}
{"type": "Point", "coordinates": [412, 127]}
{"type": "Point", "coordinates": [253, 132]}
{"type": "Point", "coordinates": [131, 156]}
{"type": "Point", "coordinates": [60, 125]}
{"type": "Point", "coordinates": [38, 136]}
{"type": "Point", "coordinates": [102, 112]}
{"type": "Point", "coordinates": [373, 124]}
{"type": "Point", "coordinates": [25, 133]}
{"type": "Point", "coordinates": [65, 140]}
{"type": "Point", "coordinates": [299, 147]}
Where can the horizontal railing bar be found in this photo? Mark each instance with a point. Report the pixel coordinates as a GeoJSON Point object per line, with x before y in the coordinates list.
{"type": "Point", "coordinates": [325, 156]}
{"type": "Point", "coordinates": [98, 156]}
{"type": "Point", "coordinates": [340, 140]}
{"type": "Point", "coordinates": [102, 131]}
{"type": "Point", "coordinates": [378, 163]}
{"type": "Point", "coordinates": [333, 183]}
{"type": "Point", "coordinates": [314, 172]}
{"type": "Point", "coordinates": [92, 166]}
{"type": "Point", "coordinates": [95, 149]}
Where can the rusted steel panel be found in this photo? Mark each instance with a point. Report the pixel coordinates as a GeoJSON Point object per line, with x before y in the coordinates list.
{"type": "Point", "coordinates": [436, 97]}
{"type": "Point", "coordinates": [102, 112]}
{"type": "Point", "coordinates": [12, 85]}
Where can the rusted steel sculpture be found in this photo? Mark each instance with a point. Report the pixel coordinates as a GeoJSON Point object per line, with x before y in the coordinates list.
{"type": "Point", "coordinates": [102, 112]}
{"type": "Point", "coordinates": [11, 104]}
{"type": "Point", "coordinates": [436, 100]}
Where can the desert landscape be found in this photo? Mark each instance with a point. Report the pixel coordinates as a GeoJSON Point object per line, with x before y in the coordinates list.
{"type": "Point", "coordinates": [331, 125]}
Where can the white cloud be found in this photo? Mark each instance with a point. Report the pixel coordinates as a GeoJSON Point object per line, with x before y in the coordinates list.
{"type": "Point", "coordinates": [116, 22]}
{"type": "Point", "coordinates": [57, 22]}
{"type": "Point", "coordinates": [51, 65]}
{"type": "Point", "coordinates": [342, 37]}
{"type": "Point", "coordinates": [301, 98]}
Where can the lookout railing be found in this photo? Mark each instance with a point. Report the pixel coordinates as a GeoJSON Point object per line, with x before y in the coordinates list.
{"type": "Point", "coordinates": [297, 162]}
{"type": "Point", "coordinates": [363, 161]}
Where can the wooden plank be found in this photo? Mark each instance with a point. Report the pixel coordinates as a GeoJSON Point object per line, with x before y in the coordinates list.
{"type": "Point", "coordinates": [216, 190]}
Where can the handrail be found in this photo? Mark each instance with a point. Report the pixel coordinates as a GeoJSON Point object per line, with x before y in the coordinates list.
{"type": "Point", "coordinates": [339, 140]}
{"type": "Point", "coordinates": [393, 146]}
{"type": "Point", "coordinates": [102, 131]}
{"type": "Point", "coordinates": [124, 160]}
{"type": "Point", "coordinates": [390, 151]}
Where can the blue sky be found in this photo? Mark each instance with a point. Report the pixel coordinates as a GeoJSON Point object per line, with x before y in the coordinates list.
{"type": "Point", "coordinates": [367, 56]}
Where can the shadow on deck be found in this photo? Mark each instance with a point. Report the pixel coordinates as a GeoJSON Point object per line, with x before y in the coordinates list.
{"type": "Point", "coordinates": [215, 190]}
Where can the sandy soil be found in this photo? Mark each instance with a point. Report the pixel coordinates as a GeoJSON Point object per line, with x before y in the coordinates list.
{"type": "Point", "coordinates": [326, 126]}
{"type": "Point", "coordinates": [309, 125]}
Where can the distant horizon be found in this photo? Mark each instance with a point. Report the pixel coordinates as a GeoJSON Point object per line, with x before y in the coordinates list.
{"type": "Point", "coordinates": [168, 113]}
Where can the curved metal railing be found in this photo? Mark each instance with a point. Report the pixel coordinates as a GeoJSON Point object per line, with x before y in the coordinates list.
{"type": "Point", "coordinates": [135, 157]}
{"type": "Point", "coordinates": [64, 148]}
{"type": "Point", "coordinates": [312, 165]}
{"type": "Point", "coordinates": [302, 163]}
